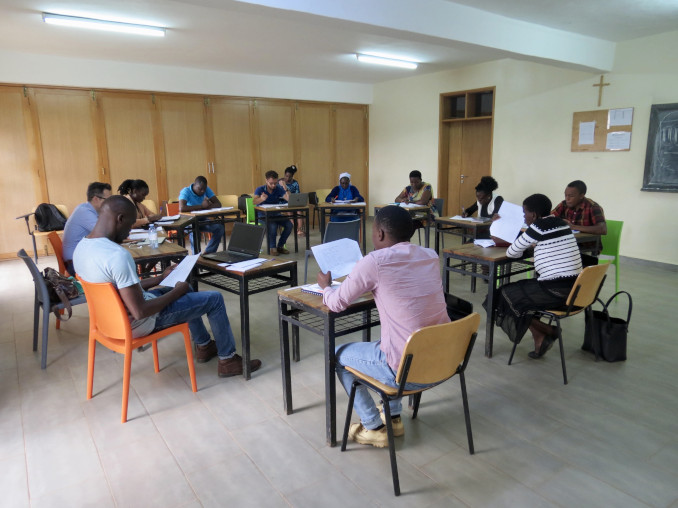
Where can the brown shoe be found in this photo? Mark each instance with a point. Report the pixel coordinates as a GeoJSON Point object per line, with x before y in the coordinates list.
{"type": "Point", "coordinates": [283, 250]}
{"type": "Point", "coordinates": [233, 366]}
{"type": "Point", "coordinates": [205, 353]}
{"type": "Point", "coordinates": [274, 252]}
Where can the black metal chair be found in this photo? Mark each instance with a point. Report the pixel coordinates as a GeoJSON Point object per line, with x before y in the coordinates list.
{"type": "Point", "coordinates": [43, 303]}
{"type": "Point", "coordinates": [431, 356]}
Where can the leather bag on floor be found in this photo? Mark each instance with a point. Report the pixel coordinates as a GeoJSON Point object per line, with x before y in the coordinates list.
{"type": "Point", "coordinates": [604, 335]}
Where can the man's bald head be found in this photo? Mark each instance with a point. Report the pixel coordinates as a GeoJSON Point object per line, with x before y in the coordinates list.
{"type": "Point", "coordinates": [116, 217]}
{"type": "Point", "coordinates": [117, 205]}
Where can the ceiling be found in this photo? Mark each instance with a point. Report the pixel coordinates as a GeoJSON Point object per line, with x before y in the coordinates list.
{"type": "Point", "coordinates": [318, 39]}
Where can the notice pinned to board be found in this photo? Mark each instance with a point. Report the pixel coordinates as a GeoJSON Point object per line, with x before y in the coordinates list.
{"type": "Point", "coordinates": [604, 130]}
{"type": "Point", "coordinates": [586, 131]}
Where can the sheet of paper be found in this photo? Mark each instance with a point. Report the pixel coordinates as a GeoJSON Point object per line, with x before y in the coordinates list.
{"type": "Point", "coordinates": [484, 243]}
{"type": "Point", "coordinates": [618, 140]}
{"type": "Point", "coordinates": [621, 116]}
{"type": "Point", "coordinates": [146, 242]}
{"type": "Point", "coordinates": [470, 219]}
{"type": "Point", "coordinates": [138, 236]}
{"type": "Point", "coordinates": [316, 289]}
{"type": "Point", "coordinates": [138, 230]}
{"type": "Point", "coordinates": [169, 218]}
{"type": "Point", "coordinates": [586, 131]}
{"type": "Point", "coordinates": [409, 205]}
{"type": "Point", "coordinates": [337, 257]}
{"type": "Point", "coordinates": [511, 221]}
{"type": "Point", "coordinates": [212, 210]}
{"type": "Point", "coordinates": [273, 206]}
{"type": "Point", "coordinates": [181, 272]}
{"type": "Point", "coordinates": [243, 266]}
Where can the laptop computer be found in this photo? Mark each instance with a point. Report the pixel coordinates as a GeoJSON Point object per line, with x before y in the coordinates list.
{"type": "Point", "coordinates": [245, 244]}
{"type": "Point", "coordinates": [298, 199]}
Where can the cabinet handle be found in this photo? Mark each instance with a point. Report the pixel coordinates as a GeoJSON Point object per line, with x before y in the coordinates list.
{"type": "Point", "coordinates": [213, 167]}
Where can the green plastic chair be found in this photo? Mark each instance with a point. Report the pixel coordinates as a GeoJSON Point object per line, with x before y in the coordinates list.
{"type": "Point", "coordinates": [610, 252]}
{"type": "Point", "coordinates": [250, 211]}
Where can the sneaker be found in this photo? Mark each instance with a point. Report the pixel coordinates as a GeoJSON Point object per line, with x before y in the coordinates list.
{"type": "Point", "coordinates": [283, 250]}
{"type": "Point", "coordinates": [233, 366]}
{"type": "Point", "coordinates": [205, 353]}
{"type": "Point", "coordinates": [274, 252]}
{"type": "Point", "coordinates": [361, 435]}
{"type": "Point", "coordinates": [396, 423]}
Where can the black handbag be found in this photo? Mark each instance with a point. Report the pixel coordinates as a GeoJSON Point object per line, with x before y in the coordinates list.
{"type": "Point", "coordinates": [61, 289]}
{"type": "Point", "coordinates": [604, 335]}
{"type": "Point", "coordinates": [457, 308]}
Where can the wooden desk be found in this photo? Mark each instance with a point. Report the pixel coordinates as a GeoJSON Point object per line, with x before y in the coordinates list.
{"type": "Point", "coordinates": [468, 230]}
{"type": "Point", "coordinates": [293, 213]}
{"type": "Point", "coordinates": [323, 208]}
{"type": "Point", "coordinates": [263, 278]}
{"type": "Point", "coordinates": [419, 212]}
{"type": "Point", "coordinates": [305, 310]}
{"type": "Point", "coordinates": [184, 222]}
{"type": "Point", "coordinates": [166, 252]}
{"type": "Point", "coordinates": [208, 217]}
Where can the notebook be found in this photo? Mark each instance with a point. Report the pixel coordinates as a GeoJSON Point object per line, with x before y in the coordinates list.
{"type": "Point", "coordinates": [298, 199]}
{"type": "Point", "coordinates": [246, 240]}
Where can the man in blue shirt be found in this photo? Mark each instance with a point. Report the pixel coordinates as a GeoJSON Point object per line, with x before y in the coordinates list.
{"type": "Point", "coordinates": [82, 220]}
{"type": "Point", "coordinates": [271, 194]}
{"type": "Point", "coordinates": [200, 197]}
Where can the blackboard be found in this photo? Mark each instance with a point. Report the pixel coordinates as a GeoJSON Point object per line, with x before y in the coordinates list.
{"type": "Point", "coordinates": [661, 159]}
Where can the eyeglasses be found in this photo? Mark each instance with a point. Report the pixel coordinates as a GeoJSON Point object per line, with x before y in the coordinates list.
{"type": "Point", "coordinates": [99, 196]}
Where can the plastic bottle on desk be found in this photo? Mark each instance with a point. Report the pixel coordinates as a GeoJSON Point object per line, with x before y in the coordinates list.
{"type": "Point", "coordinates": [152, 237]}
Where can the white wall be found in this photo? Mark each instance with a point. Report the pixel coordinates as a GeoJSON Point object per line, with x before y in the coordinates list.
{"type": "Point", "coordinates": [532, 133]}
{"type": "Point", "coordinates": [25, 68]}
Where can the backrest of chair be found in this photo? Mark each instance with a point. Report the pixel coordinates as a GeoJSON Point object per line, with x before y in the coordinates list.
{"type": "Point", "coordinates": [588, 282]}
{"type": "Point", "coordinates": [322, 194]}
{"type": "Point", "coordinates": [38, 279]}
{"type": "Point", "coordinates": [439, 350]}
{"type": "Point", "coordinates": [250, 210]}
{"type": "Point", "coordinates": [58, 249]}
{"type": "Point", "coordinates": [150, 204]}
{"type": "Point", "coordinates": [612, 240]}
{"type": "Point", "coordinates": [64, 210]}
{"type": "Point", "coordinates": [172, 208]}
{"type": "Point", "coordinates": [338, 230]}
{"type": "Point", "coordinates": [107, 313]}
{"type": "Point", "coordinates": [312, 198]}
{"type": "Point", "coordinates": [439, 204]}
{"type": "Point", "coordinates": [228, 200]}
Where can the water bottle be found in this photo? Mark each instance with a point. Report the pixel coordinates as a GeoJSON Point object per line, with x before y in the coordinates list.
{"type": "Point", "coordinates": [152, 237]}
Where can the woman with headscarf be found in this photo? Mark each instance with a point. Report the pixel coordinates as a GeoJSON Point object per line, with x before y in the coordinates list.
{"type": "Point", "coordinates": [344, 193]}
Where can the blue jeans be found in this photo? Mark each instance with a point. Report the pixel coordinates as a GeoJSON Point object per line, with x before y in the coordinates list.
{"type": "Point", "coordinates": [368, 358]}
{"type": "Point", "coordinates": [191, 307]}
{"type": "Point", "coordinates": [273, 223]}
{"type": "Point", "coordinates": [217, 231]}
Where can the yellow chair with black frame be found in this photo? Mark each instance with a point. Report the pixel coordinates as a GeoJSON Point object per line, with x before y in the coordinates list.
{"type": "Point", "coordinates": [432, 355]}
{"type": "Point", "coordinates": [33, 231]}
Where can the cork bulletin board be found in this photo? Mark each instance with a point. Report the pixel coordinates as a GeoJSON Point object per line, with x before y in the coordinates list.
{"type": "Point", "coordinates": [604, 130]}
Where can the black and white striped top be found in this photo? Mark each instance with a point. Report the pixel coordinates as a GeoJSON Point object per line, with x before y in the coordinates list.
{"type": "Point", "coordinates": [556, 253]}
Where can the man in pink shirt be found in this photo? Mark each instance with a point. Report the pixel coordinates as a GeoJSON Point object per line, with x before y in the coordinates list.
{"type": "Point", "coordinates": [405, 280]}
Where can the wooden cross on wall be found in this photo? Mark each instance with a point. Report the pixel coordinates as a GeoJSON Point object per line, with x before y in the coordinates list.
{"type": "Point", "coordinates": [600, 89]}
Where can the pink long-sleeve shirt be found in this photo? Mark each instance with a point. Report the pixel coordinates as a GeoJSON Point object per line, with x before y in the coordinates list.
{"type": "Point", "coordinates": [405, 280]}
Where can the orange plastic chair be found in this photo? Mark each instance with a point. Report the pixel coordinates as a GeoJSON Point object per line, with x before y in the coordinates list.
{"type": "Point", "coordinates": [110, 326]}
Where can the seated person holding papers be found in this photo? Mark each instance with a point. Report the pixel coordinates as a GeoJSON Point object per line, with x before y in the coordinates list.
{"type": "Point", "coordinates": [344, 193]}
{"type": "Point", "coordinates": [199, 196]}
{"type": "Point", "coordinates": [407, 287]}
{"type": "Point", "coordinates": [557, 262]}
{"type": "Point", "coordinates": [271, 194]}
{"type": "Point", "coordinates": [82, 220]}
{"type": "Point", "coordinates": [487, 205]}
{"type": "Point", "coordinates": [100, 258]}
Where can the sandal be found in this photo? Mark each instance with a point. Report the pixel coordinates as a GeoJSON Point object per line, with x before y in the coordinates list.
{"type": "Point", "coordinates": [546, 344]}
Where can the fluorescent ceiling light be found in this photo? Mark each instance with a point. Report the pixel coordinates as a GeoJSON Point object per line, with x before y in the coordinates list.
{"type": "Point", "coordinates": [380, 60]}
{"type": "Point", "coordinates": [101, 24]}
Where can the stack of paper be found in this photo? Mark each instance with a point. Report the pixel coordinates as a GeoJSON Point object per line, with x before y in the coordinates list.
{"type": "Point", "coordinates": [315, 289]}
{"type": "Point", "coordinates": [243, 266]}
{"type": "Point", "coordinates": [212, 210]}
{"type": "Point", "coordinates": [484, 243]}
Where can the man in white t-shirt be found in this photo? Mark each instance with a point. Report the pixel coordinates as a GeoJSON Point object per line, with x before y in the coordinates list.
{"type": "Point", "coordinates": [100, 258]}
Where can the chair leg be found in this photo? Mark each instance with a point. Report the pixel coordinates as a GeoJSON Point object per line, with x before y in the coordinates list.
{"type": "Point", "coordinates": [45, 335]}
{"type": "Point", "coordinates": [91, 352]}
{"type": "Point", "coordinates": [126, 373]}
{"type": "Point", "coordinates": [417, 400]}
{"type": "Point", "coordinates": [189, 359]}
{"type": "Point", "coordinates": [156, 362]}
{"type": "Point", "coordinates": [562, 352]}
{"type": "Point", "coordinates": [58, 321]}
{"type": "Point", "coordinates": [36, 322]}
{"type": "Point", "coordinates": [467, 413]}
{"type": "Point", "coordinates": [35, 249]}
{"type": "Point", "coordinates": [391, 445]}
{"type": "Point", "coordinates": [349, 410]}
{"type": "Point", "coordinates": [515, 345]}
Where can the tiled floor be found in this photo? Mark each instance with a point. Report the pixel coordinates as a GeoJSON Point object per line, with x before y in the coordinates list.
{"type": "Point", "coordinates": [609, 438]}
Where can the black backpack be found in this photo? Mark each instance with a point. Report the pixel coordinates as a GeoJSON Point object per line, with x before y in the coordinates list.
{"type": "Point", "coordinates": [49, 218]}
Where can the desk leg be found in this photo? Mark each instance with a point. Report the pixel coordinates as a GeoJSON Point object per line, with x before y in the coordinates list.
{"type": "Point", "coordinates": [295, 329]}
{"type": "Point", "coordinates": [438, 233]}
{"type": "Point", "coordinates": [364, 214]}
{"type": "Point", "coordinates": [285, 357]}
{"type": "Point", "coordinates": [245, 328]}
{"type": "Point", "coordinates": [446, 270]}
{"type": "Point", "coordinates": [489, 325]}
{"type": "Point", "coordinates": [322, 224]}
{"type": "Point", "coordinates": [330, 383]}
{"type": "Point", "coordinates": [428, 232]}
{"type": "Point", "coordinates": [294, 228]}
{"type": "Point", "coordinates": [307, 230]}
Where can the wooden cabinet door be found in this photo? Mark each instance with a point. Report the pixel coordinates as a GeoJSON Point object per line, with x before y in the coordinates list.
{"type": "Point", "coordinates": [274, 130]}
{"type": "Point", "coordinates": [19, 170]}
{"type": "Point", "coordinates": [351, 146]}
{"type": "Point", "coordinates": [314, 160]}
{"type": "Point", "coordinates": [233, 146]}
{"type": "Point", "coordinates": [69, 147]}
{"type": "Point", "coordinates": [128, 134]}
{"type": "Point", "coordinates": [184, 135]}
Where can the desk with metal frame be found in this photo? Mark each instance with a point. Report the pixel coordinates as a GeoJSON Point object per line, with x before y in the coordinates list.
{"type": "Point", "coordinates": [269, 275]}
{"type": "Point", "coordinates": [166, 253]}
{"type": "Point", "coordinates": [414, 210]}
{"type": "Point", "coordinates": [290, 213]}
{"type": "Point", "coordinates": [179, 226]}
{"type": "Point", "coordinates": [305, 310]}
{"type": "Point", "coordinates": [467, 229]}
{"type": "Point", "coordinates": [212, 216]}
{"type": "Point", "coordinates": [323, 208]}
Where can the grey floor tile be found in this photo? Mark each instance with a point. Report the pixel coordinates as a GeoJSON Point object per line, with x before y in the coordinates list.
{"type": "Point", "coordinates": [13, 481]}
{"type": "Point", "coordinates": [93, 492]}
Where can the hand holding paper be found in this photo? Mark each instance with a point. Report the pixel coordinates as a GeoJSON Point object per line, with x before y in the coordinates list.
{"type": "Point", "coordinates": [337, 257]}
{"type": "Point", "coordinates": [511, 221]}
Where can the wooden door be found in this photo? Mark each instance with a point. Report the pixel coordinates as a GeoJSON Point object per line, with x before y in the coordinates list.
{"type": "Point", "coordinates": [69, 147]}
{"type": "Point", "coordinates": [351, 140]}
{"type": "Point", "coordinates": [20, 170]}
{"type": "Point", "coordinates": [274, 130]}
{"type": "Point", "coordinates": [127, 123]}
{"type": "Point", "coordinates": [233, 146]}
{"type": "Point", "coordinates": [315, 158]}
{"type": "Point", "coordinates": [185, 142]}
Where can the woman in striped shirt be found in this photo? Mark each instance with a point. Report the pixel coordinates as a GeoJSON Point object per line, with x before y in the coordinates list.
{"type": "Point", "coordinates": [557, 262]}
